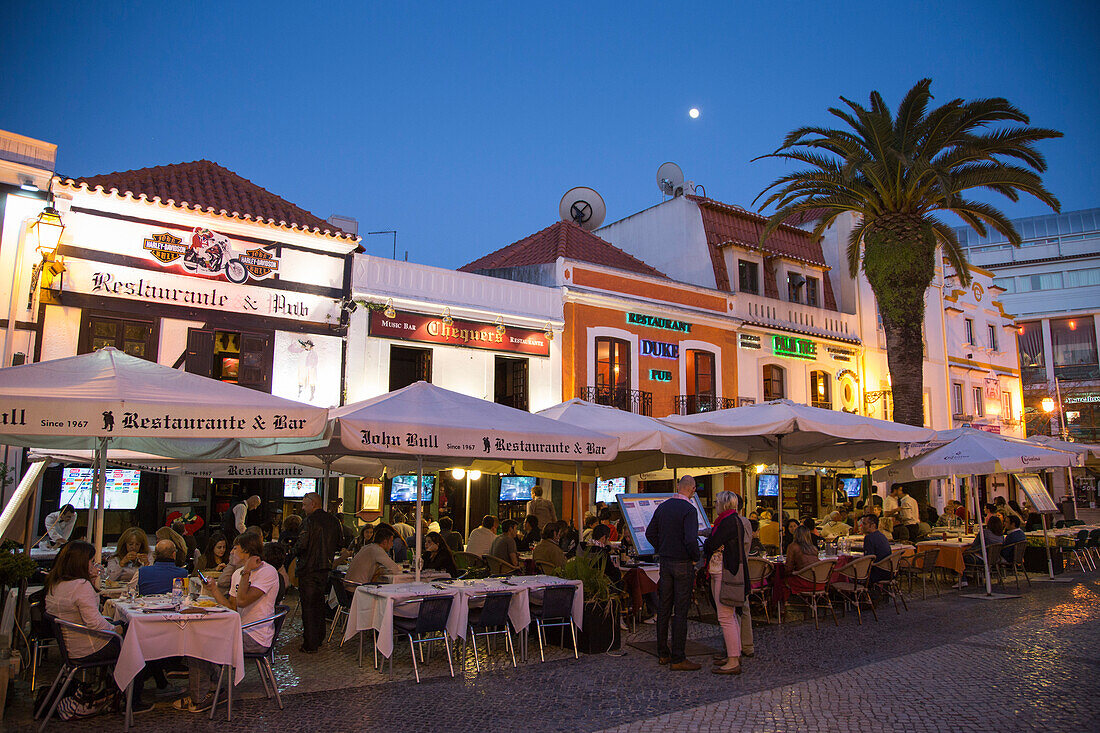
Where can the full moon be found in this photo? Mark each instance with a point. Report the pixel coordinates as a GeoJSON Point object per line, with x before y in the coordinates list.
{"type": "Point", "coordinates": [693, 113]}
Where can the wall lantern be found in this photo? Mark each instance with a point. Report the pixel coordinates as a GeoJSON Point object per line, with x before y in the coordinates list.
{"type": "Point", "coordinates": [45, 234]}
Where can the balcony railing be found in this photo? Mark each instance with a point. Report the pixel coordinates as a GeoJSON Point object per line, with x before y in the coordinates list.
{"type": "Point", "coordinates": [628, 400]}
{"type": "Point", "coordinates": [691, 404]}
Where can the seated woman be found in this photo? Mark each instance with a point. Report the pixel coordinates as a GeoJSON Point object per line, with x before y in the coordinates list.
{"type": "Point", "coordinates": [801, 554]}
{"type": "Point", "coordinates": [274, 555]}
{"type": "Point", "coordinates": [366, 534]}
{"type": "Point", "coordinates": [531, 534]}
{"type": "Point", "coordinates": [548, 550]}
{"type": "Point", "coordinates": [788, 533]}
{"type": "Point", "coordinates": [373, 560]}
{"type": "Point", "coordinates": [216, 555]}
{"type": "Point", "coordinates": [132, 554]}
{"type": "Point", "coordinates": [437, 555]}
{"type": "Point", "coordinates": [71, 596]}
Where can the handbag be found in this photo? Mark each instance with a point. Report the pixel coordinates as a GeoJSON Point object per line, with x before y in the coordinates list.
{"type": "Point", "coordinates": [732, 591]}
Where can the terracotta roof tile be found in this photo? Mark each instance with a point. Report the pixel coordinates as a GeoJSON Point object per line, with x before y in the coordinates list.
{"type": "Point", "coordinates": [725, 224]}
{"type": "Point", "coordinates": [561, 239]}
{"type": "Point", "coordinates": [206, 186]}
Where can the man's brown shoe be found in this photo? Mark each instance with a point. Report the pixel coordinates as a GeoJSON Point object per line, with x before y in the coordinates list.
{"type": "Point", "coordinates": [663, 660]}
{"type": "Point", "coordinates": [685, 666]}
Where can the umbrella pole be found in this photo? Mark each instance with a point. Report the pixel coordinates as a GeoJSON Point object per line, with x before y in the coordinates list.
{"type": "Point", "coordinates": [981, 534]}
{"type": "Point", "coordinates": [577, 497]}
{"type": "Point", "coordinates": [1046, 544]}
{"type": "Point", "coordinates": [328, 466]}
{"type": "Point", "coordinates": [419, 512]}
{"type": "Point", "coordinates": [779, 476]}
{"type": "Point", "coordinates": [89, 535]}
{"type": "Point", "coordinates": [101, 487]}
{"type": "Point", "coordinates": [466, 527]}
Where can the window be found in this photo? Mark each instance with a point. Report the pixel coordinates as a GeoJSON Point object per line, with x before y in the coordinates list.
{"type": "Point", "coordinates": [1042, 281]}
{"type": "Point", "coordinates": [238, 357]}
{"type": "Point", "coordinates": [1007, 283]}
{"type": "Point", "coordinates": [795, 284]}
{"type": "Point", "coordinates": [1006, 406]}
{"type": "Point", "coordinates": [992, 337]}
{"type": "Point", "coordinates": [956, 399]}
{"type": "Point", "coordinates": [1082, 278]}
{"type": "Point", "coordinates": [774, 388]}
{"type": "Point", "coordinates": [511, 382]}
{"type": "Point", "coordinates": [1029, 341]}
{"type": "Point", "coordinates": [612, 363]}
{"type": "Point", "coordinates": [970, 331]}
{"type": "Point", "coordinates": [820, 394]}
{"type": "Point", "coordinates": [409, 366]}
{"type": "Point", "coordinates": [811, 291]}
{"type": "Point", "coordinates": [979, 401]}
{"type": "Point", "coordinates": [1074, 343]}
{"type": "Point", "coordinates": [133, 336]}
{"type": "Point", "coordinates": [700, 374]}
{"type": "Point", "coordinates": [748, 277]}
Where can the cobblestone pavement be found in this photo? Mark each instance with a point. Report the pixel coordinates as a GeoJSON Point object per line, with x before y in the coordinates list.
{"type": "Point", "coordinates": [949, 663]}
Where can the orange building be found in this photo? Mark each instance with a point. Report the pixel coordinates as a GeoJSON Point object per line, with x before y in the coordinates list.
{"type": "Point", "coordinates": [633, 338]}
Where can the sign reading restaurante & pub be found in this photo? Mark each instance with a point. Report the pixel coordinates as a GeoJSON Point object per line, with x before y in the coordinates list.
{"type": "Point", "coordinates": [469, 334]}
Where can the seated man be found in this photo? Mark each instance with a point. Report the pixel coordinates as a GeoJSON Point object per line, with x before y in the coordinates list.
{"type": "Point", "coordinates": [598, 551]}
{"type": "Point", "coordinates": [157, 578]}
{"type": "Point", "coordinates": [1015, 534]}
{"type": "Point", "coordinates": [972, 555]}
{"type": "Point", "coordinates": [875, 543]}
{"type": "Point", "coordinates": [452, 538]}
{"type": "Point", "coordinates": [504, 546]}
{"type": "Point", "coordinates": [548, 550]}
{"type": "Point", "coordinates": [835, 525]}
{"type": "Point", "coordinates": [373, 559]}
{"type": "Point", "coordinates": [252, 594]}
{"type": "Point", "coordinates": [481, 539]}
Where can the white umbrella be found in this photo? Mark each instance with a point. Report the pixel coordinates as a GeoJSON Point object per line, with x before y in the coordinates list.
{"type": "Point", "coordinates": [1089, 452]}
{"type": "Point", "coordinates": [970, 452]}
{"type": "Point", "coordinates": [85, 402]}
{"type": "Point", "coordinates": [423, 421]}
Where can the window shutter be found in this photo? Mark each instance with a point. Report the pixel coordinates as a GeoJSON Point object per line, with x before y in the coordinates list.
{"type": "Point", "coordinates": [200, 352]}
{"type": "Point", "coordinates": [257, 357]}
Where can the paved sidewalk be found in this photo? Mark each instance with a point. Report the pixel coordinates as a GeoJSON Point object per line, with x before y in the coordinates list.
{"type": "Point", "coordinates": [950, 663]}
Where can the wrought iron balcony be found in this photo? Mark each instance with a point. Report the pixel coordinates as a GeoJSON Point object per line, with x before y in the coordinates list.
{"type": "Point", "coordinates": [691, 404]}
{"type": "Point", "coordinates": [628, 400]}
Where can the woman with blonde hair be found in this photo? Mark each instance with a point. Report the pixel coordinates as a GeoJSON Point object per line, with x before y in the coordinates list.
{"type": "Point", "coordinates": [132, 554]}
{"type": "Point", "coordinates": [726, 564]}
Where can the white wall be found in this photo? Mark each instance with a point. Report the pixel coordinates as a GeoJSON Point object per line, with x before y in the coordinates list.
{"type": "Point", "coordinates": [669, 237]}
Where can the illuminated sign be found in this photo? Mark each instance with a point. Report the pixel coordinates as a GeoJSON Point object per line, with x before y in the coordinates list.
{"type": "Point", "coordinates": [1085, 398]}
{"type": "Point", "coordinates": [470, 334]}
{"type": "Point", "coordinates": [640, 319]}
{"type": "Point", "coordinates": [794, 348]}
{"type": "Point", "coordinates": [660, 349]}
{"type": "Point", "coordinates": [840, 354]}
{"type": "Point", "coordinates": [209, 254]}
{"type": "Point", "coordinates": [660, 375]}
{"type": "Point", "coordinates": [748, 341]}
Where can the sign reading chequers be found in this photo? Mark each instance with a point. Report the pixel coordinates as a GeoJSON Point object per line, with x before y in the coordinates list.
{"type": "Point", "coordinates": [640, 319]}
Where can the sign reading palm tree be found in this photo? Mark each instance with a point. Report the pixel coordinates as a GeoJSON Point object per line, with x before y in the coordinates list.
{"type": "Point", "coordinates": [896, 174]}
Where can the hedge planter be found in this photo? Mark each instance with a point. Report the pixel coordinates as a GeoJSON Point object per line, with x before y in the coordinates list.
{"type": "Point", "coordinates": [601, 632]}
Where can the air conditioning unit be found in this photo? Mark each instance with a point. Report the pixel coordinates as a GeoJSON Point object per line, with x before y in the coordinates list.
{"type": "Point", "coordinates": [687, 187]}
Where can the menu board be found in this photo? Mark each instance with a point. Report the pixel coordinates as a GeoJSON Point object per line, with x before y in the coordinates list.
{"type": "Point", "coordinates": [1037, 494]}
{"type": "Point", "coordinates": [637, 510]}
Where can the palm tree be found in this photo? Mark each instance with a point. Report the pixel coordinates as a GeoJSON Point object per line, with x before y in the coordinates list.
{"type": "Point", "coordinates": [896, 174]}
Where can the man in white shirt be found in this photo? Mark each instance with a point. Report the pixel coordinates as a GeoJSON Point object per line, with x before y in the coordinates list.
{"type": "Point", "coordinates": [904, 511]}
{"type": "Point", "coordinates": [481, 539]}
{"type": "Point", "coordinates": [234, 520]}
{"type": "Point", "coordinates": [252, 594]}
{"type": "Point", "coordinates": [59, 527]}
{"type": "Point", "coordinates": [541, 508]}
{"type": "Point", "coordinates": [402, 527]}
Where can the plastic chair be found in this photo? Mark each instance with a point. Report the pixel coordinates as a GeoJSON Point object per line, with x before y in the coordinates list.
{"type": "Point", "coordinates": [429, 625]}
{"type": "Point", "coordinates": [498, 567]}
{"type": "Point", "coordinates": [760, 572]}
{"type": "Point", "coordinates": [70, 666]}
{"type": "Point", "coordinates": [489, 620]}
{"type": "Point", "coordinates": [1080, 551]}
{"type": "Point", "coordinates": [890, 585]}
{"type": "Point", "coordinates": [263, 661]}
{"type": "Point", "coordinates": [818, 576]}
{"type": "Point", "coordinates": [1016, 564]}
{"type": "Point", "coordinates": [556, 610]}
{"type": "Point", "coordinates": [973, 562]}
{"type": "Point", "coordinates": [41, 637]}
{"type": "Point", "coordinates": [857, 588]}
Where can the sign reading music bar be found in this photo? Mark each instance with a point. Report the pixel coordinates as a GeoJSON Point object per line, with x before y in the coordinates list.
{"type": "Point", "coordinates": [468, 334]}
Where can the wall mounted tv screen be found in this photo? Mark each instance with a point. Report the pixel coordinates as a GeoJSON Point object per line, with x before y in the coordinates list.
{"type": "Point", "coordinates": [608, 489]}
{"type": "Point", "coordinates": [767, 484]}
{"type": "Point", "coordinates": [851, 486]}
{"type": "Point", "coordinates": [403, 489]}
{"type": "Point", "coordinates": [516, 488]}
{"type": "Point", "coordinates": [296, 488]}
{"type": "Point", "coordinates": [121, 489]}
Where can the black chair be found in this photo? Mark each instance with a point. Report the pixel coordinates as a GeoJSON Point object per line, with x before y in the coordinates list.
{"type": "Point", "coordinates": [70, 666]}
{"type": "Point", "coordinates": [1094, 543]}
{"type": "Point", "coordinates": [890, 586]}
{"type": "Point", "coordinates": [556, 610]}
{"type": "Point", "coordinates": [922, 565]}
{"type": "Point", "coordinates": [343, 605]}
{"type": "Point", "coordinates": [429, 625]}
{"type": "Point", "coordinates": [856, 587]}
{"type": "Point", "coordinates": [41, 638]}
{"type": "Point", "coordinates": [1080, 551]}
{"type": "Point", "coordinates": [262, 658]}
{"type": "Point", "coordinates": [1016, 564]}
{"type": "Point", "coordinates": [490, 620]}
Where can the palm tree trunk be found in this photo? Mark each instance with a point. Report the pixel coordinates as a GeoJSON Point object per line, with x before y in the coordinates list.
{"type": "Point", "coordinates": [899, 259]}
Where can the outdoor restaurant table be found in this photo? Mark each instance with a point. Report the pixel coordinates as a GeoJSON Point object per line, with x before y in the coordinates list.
{"type": "Point", "coordinates": [951, 553]}
{"type": "Point", "coordinates": [537, 582]}
{"type": "Point", "coordinates": [372, 607]}
{"type": "Point", "coordinates": [639, 581]}
{"type": "Point", "coordinates": [214, 636]}
{"type": "Point", "coordinates": [519, 609]}
{"type": "Point", "coordinates": [409, 576]}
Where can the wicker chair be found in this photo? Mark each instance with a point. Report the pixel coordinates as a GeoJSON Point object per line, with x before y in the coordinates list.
{"type": "Point", "coordinates": [760, 572]}
{"type": "Point", "coordinates": [921, 565]}
{"type": "Point", "coordinates": [890, 585]}
{"type": "Point", "coordinates": [498, 567]}
{"type": "Point", "coordinates": [856, 588]}
{"type": "Point", "coordinates": [817, 575]}
{"type": "Point", "coordinates": [1016, 564]}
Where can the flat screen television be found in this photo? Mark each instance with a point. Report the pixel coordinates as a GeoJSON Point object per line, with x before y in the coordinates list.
{"type": "Point", "coordinates": [296, 488]}
{"type": "Point", "coordinates": [121, 490]}
{"type": "Point", "coordinates": [851, 486]}
{"type": "Point", "coordinates": [608, 489]}
{"type": "Point", "coordinates": [403, 489]}
{"type": "Point", "coordinates": [516, 488]}
{"type": "Point", "coordinates": [767, 484]}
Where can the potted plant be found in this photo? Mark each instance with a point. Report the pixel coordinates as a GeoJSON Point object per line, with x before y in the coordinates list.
{"type": "Point", "coordinates": [15, 567]}
{"type": "Point", "coordinates": [600, 626]}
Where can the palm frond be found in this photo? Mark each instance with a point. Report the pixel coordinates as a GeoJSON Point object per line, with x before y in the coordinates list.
{"type": "Point", "coordinates": [952, 249]}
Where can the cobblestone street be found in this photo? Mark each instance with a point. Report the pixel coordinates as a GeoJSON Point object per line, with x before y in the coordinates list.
{"type": "Point", "coordinates": [948, 664]}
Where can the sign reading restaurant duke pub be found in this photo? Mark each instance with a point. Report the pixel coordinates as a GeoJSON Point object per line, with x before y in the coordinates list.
{"type": "Point", "coordinates": [470, 334]}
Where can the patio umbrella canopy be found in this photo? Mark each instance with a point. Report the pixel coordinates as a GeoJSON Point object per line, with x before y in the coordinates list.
{"type": "Point", "coordinates": [1089, 452]}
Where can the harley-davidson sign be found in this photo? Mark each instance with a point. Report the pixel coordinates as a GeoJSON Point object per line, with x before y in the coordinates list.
{"type": "Point", "coordinates": [211, 254]}
{"type": "Point", "coordinates": [470, 334]}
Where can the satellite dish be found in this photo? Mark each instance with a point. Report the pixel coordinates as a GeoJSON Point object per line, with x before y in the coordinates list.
{"type": "Point", "coordinates": [582, 206]}
{"type": "Point", "coordinates": [669, 178]}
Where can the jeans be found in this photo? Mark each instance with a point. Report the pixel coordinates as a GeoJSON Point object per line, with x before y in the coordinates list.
{"type": "Point", "coordinates": [311, 588]}
{"type": "Point", "coordinates": [674, 599]}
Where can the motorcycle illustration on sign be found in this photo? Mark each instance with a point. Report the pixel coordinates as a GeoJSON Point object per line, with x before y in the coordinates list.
{"type": "Point", "coordinates": [210, 253]}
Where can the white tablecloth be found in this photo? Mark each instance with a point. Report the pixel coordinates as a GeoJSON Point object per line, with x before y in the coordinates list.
{"type": "Point", "coordinates": [372, 608]}
{"type": "Point", "coordinates": [535, 582]}
{"type": "Point", "coordinates": [519, 609]}
{"type": "Point", "coordinates": [215, 637]}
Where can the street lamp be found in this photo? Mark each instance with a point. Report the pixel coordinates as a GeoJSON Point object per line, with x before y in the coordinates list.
{"type": "Point", "coordinates": [45, 234]}
{"type": "Point", "coordinates": [458, 474]}
{"type": "Point", "coordinates": [1048, 405]}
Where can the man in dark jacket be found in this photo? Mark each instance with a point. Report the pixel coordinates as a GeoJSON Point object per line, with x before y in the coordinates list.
{"type": "Point", "coordinates": [318, 543]}
{"type": "Point", "coordinates": [674, 533]}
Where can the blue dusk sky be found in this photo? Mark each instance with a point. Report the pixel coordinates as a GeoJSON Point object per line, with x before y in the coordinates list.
{"type": "Point", "coordinates": [462, 124]}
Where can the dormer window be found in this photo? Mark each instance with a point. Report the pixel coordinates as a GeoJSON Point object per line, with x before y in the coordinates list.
{"type": "Point", "coordinates": [748, 277]}
{"type": "Point", "coordinates": [811, 292]}
{"type": "Point", "coordinates": [796, 283]}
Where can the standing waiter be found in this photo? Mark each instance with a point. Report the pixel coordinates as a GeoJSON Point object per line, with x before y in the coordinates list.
{"type": "Point", "coordinates": [318, 543]}
{"type": "Point", "coordinates": [233, 518]}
